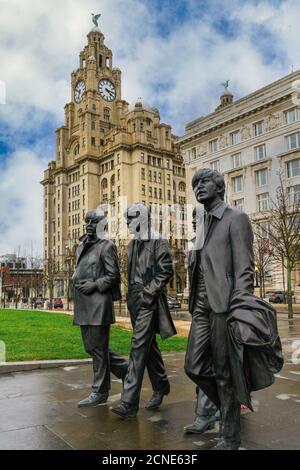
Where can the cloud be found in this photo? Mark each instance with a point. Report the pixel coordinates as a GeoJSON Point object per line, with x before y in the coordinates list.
{"type": "Point", "coordinates": [173, 53]}
{"type": "Point", "coordinates": [21, 202]}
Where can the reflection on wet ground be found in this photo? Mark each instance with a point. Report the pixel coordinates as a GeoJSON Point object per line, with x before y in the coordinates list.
{"type": "Point", "coordinates": [39, 410]}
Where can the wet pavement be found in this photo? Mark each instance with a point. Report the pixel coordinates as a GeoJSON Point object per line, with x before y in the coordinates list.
{"type": "Point", "coordinates": [38, 410]}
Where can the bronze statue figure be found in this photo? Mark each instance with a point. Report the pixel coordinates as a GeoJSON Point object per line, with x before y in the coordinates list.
{"type": "Point", "coordinates": [149, 270]}
{"type": "Point", "coordinates": [226, 314]}
{"type": "Point", "coordinates": [96, 285]}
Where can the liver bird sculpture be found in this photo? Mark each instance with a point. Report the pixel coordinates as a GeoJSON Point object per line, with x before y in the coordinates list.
{"type": "Point", "coordinates": [225, 84]}
{"type": "Point", "coordinates": [95, 19]}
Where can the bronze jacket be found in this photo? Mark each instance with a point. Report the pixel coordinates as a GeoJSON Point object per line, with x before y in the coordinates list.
{"type": "Point", "coordinates": [98, 262]}
{"type": "Point", "coordinates": [156, 269]}
{"type": "Point", "coordinates": [255, 351]}
{"type": "Point", "coordinates": [227, 259]}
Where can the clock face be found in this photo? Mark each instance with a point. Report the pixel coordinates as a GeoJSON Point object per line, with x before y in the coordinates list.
{"type": "Point", "coordinates": [79, 91]}
{"type": "Point", "coordinates": [107, 90]}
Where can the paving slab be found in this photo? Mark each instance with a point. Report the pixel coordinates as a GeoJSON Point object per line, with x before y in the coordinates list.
{"type": "Point", "coordinates": [38, 410]}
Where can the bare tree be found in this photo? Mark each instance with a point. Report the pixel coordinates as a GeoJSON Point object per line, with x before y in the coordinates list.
{"type": "Point", "coordinates": [262, 255]}
{"type": "Point", "coordinates": [284, 232]}
{"type": "Point", "coordinates": [50, 271]}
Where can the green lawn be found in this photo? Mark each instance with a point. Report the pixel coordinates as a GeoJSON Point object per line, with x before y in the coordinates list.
{"type": "Point", "coordinates": [30, 336]}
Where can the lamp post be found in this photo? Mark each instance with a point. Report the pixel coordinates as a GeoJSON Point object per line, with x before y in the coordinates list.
{"type": "Point", "coordinates": [68, 263]}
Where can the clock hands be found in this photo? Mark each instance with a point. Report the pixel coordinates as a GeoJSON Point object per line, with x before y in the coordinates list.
{"type": "Point", "coordinates": [110, 92]}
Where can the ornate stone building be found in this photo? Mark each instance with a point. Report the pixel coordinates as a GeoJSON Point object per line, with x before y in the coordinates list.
{"type": "Point", "coordinates": [249, 141]}
{"type": "Point", "coordinates": [105, 151]}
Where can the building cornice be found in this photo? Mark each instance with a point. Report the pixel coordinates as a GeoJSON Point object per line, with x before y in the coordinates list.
{"type": "Point", "coordinates": [266, 97]}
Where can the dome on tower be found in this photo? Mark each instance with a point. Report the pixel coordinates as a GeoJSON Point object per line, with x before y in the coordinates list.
{"type": "Point", "coordinates": [96, 30]}
{"type": "Point", "coordinates": [138, 105]}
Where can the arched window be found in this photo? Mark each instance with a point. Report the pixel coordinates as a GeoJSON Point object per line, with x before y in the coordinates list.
{"type": "Point", "coordinates": [77, 149]}
{"type": "Point", "coordinates": [106, 113]}
{"type": "Point", "coordinates": [181, 186]}
{"type": "Point", "coordinates": [104, 184]}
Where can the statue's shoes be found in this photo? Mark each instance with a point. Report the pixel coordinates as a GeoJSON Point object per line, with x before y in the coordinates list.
{"type": "Point", "coordinates": [94, 399]}
{"type": "Point", "coordinates": [125, 410]}
{"type": "Point", "coordinates": [200, 425]}
{"type": "Point", "coordinates": [156, 400]}
{"type": "Point", "coordinates": [226, 445]}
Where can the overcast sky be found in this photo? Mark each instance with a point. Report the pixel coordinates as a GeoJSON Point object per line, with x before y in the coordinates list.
{"type": "Point", "coordinates": [173, 54]}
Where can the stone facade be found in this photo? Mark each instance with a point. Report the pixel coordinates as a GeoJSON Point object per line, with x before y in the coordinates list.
{"type": "Point", "coordinates": [249, 141]}
{"type": "Point", "coordinates": [106, 151]}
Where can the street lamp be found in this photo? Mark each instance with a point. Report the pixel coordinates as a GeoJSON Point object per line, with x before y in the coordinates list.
{"type": "Point", "coordinates": [68, 263]}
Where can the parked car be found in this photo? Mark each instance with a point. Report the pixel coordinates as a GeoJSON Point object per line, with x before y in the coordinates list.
{"type": "Point", "coordinates": [39, 302]}
{"type": "Point", "coordinates": [173, 303]}
{"type": "Point", "coordinates": [277, 297]}
{"type": "Point", "coordinates": [58, 303]}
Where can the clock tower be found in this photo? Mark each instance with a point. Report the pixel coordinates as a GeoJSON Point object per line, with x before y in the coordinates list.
{"type": "Point", "coordinates": [105, 152]}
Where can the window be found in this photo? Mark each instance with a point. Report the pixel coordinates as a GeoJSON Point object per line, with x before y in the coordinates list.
{"type": "Point", "coordinates": [239, 204]}
{"type": "Point", "coordinates": [215, 165]}
{"type": "Point", "coordinates": [236, 160]}
{"type": "Point", "coordinates": [213, 146]}
{"type": "Point", "coordinates": [106, 114]}
{"type": "Point", "coordinates": [258, 128]}
{"type": "Point", "coordinates": [169, 195]}
{"type": "Point", "coordinates": [181, 186]}
{"type": "Point", "coordinates": [149, 134]}
{"type": "Point", "coordinates": [104, 184]}
{"type": "Point", "coordinates": [293, 141]}
{"type": "Point", "coordinates": [154, 176]}
{"type": "Point", "coordinates": [142, 158]}
{"type": "Point", "coordinates": [264, 228]}
{"type": "Point", "coordinates": [293, 168]}
{"type": "Point", "coordinates": [150, 191]}
{"type": "Point", "coordinates": [235, 137]}
{"type": "Point", "coordinates": [93, 141]}
{"type": "Point", "coordinates": [193, 153]}
{"type": "Point", "coordinates": [294, 194]}
{"type": "Point", "coordinates": [143, 173]}
{"type": "Point", "coordinates": [263, 202]}
{"type": "Point", "coordinates": [260, 152]}
{"type": "Point", "coordinates": [150, 175]}
{"type": "Point", "coordinates": [143, 190]}
{"type": "Point", "coordinates": [168, 179]}
{"type": "Point", "coordinates": [261, 177]}
{"type": "Point", "coordinates": [290, 116]}
{"type": "Point", "coordinates": [93, 125]}
{"type": "Point", "coordinates": [237, 184]}
{"type": "Point", "coordinates": [159, 177]}
{"type": "Point", "coordinates": [160, 193]}
{"type": "Point", "coordinates": [167, 163]}
{"type": "Point", "coordinates": [76, 149]}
